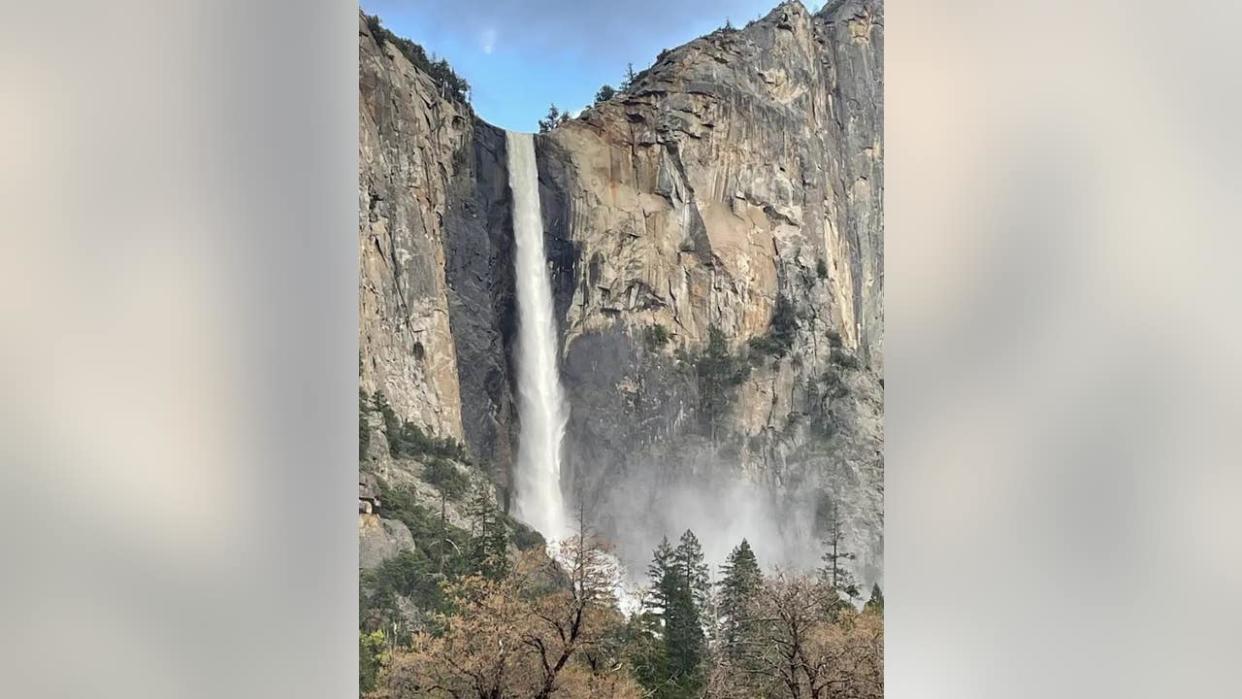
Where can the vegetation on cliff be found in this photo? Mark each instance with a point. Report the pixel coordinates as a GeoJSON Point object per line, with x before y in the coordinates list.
{"type": "Point", "coordinates": [406, 439]}
{"type": "Point", "coordinates": [779, 339]}
{"type": "Point", "coordinates": [441, 73]}
{"type": "Point", "coordinates": [717, 371]}
{"type": "Point", "coordinates": [555, 118]}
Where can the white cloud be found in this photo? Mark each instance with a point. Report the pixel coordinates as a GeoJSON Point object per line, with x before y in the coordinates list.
{"type": "Point", "coordinates": [487, 40]}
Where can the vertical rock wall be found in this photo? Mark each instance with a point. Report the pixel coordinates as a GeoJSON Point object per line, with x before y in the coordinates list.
{"type": "Point", "coordinates": [743, 167]}
{"type": "Point", "coordinates": [409, 146]}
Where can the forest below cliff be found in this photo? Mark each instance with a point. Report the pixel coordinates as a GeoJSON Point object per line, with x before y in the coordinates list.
{"type": "Point", "coordinates": [496, 625]}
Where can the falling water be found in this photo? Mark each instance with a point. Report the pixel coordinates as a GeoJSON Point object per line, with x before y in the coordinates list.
{"type": "Point", "coordinates": [541, 403]}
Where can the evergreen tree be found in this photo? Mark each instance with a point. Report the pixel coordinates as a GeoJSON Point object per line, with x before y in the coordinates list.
{"type": "Point", "coordinates": [658, 573]}
{"type": "Point", "coordinates": [554, 118]}
{"type": "Point", "coordinates": [717, 372]}
{"type": "Point", "coordinates": [686, 592]}
{"type": "Point", "coordinates": [784, 324]}
{"type": "Point", "coordinates": [679, 588]}
{"type": "Point", "coordinates": [741, 583]}
{"type": "Point", "coordinates": [684, 643]}
{"type": "Point", "coordinates": [628, 81]}
{"type": "Point", "coordinates": [651, 653]}
{"type": "Point", "coordinates": [836, 571]}
{"type": "Point", "coordinates": [489, 538]}
{"type": "Point", "coordinates": [605, 93]}
{"type": "Point", "coordinates": [688, 557]}
{"type": "Point", "coordinates": [876, 603]}
{"type": "Point", "coordinates": [364, 429]}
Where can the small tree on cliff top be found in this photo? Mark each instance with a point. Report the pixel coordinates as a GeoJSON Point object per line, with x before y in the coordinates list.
{"type": "Point", "coordinates": [554, 119]}
{"type": "Point", "coordinates": [605, 93]}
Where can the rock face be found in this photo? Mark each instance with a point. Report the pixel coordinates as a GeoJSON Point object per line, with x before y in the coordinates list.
{"type": "Point", "coordinates": [407, 148]}
{"type": "Point", "coordinates": [736, 186]}
{"type": "Point", "coordinates": [380, 539]}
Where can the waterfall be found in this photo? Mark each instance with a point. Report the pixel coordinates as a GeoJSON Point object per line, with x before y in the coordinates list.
{"type": "Point", "coordinates": [541, 400]}
{"type": "Point", "coordinates": [541, 403]}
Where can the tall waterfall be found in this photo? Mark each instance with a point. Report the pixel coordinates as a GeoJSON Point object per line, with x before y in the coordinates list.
{"type": "Point", "coordinates": [541, 402]}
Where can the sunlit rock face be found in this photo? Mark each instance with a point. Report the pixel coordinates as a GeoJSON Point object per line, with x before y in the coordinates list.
{"type": "Point", "coordinates": [406, 173]}
{"type": "Point", "coordinates": [743, 167]}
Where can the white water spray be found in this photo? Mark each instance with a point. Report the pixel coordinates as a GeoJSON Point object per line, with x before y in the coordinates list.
{"type": "Point", "coordinates": [541, 403]}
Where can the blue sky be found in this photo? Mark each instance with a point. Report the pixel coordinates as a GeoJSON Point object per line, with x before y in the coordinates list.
{"type": "Point", "coordinates": [519, 56]}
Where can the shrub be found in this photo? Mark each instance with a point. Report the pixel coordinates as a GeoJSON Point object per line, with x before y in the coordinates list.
{"type": "Point", "coordinates": [364, 429]}
{"type": "Point", "coordinates": [784, 322]}
{"type": "Point", "coordinates": [415, 575]}
{"type": "Point", "coordinates": [524, 537]}
{"type": "Point", "coordinates": [821, 268]}
{"type": "Point", "coordinates": [405, 439]}
{"type": "Point", "coordinates": [442, 474]}
{"type": "Point", "coordinates": [765, 345]}
{"type": "Point", "coordinates": [824, 427]}
{"type": "Point", "coordinates": [834, 385]}
{"type": "Point", "coordinates": [655, 337]}
{"type": "Point", "coordinates": [781, 331]}
{"type": "Point", "coordinates": [605, 93]}
{"type": "Point", "coordinates": [372, 654]}
{"type": "Point", "coordinates": [409, 574]}
{"type": "Point", "coordinates": [844, 359]}
{"type": "Point", "coordinates": [718, 371]}
{"type": "Point", "coordinates": [428, 529]}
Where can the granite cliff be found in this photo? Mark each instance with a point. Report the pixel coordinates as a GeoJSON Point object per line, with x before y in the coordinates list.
{"type": "Point", "coordinates": [733, 191]}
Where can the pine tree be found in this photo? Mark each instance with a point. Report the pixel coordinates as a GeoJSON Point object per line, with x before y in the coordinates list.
{"type": "Point", "coordinates": [646, 629]}
{"type": "Point", "coordinates": [364, 427]}
{"type": "Point", "coordinates": [605, 93]}
{"type": "Point", "coordinates": [651, 664]}
{"type": "Point", "coordinates": [686, 591]}
{"type": "Point", "coordinates": [679, 589]}
{"type": "Point", "coordinates": [688, 557]}
{"type": "Point", "coordinates": [489, 538]}
{"type": "Point", "coordinates": [554, 118]}
{"type": "Point", "coordinates": [628, 81]}
{"type": "Point", "coordinates": [836, 571]}
{"type": "Point", "coordinates": [717, 372]}
{"type": "Point", "coordinates": [876, 603]}
{"type": "Point", "coordinates": [784, 324]}
{"type": "Point", "coordinates": [741, 583]}
{"type": "Point", "coordinates": [684, 644]}
{"type": "Point", "coordinates": [658, 573]}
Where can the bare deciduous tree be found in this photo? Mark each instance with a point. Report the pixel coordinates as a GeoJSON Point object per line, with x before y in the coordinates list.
{"type": "Point", "coordinates": [808, 646]}
{"type": "Point", "coordinates": [535, 633]}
